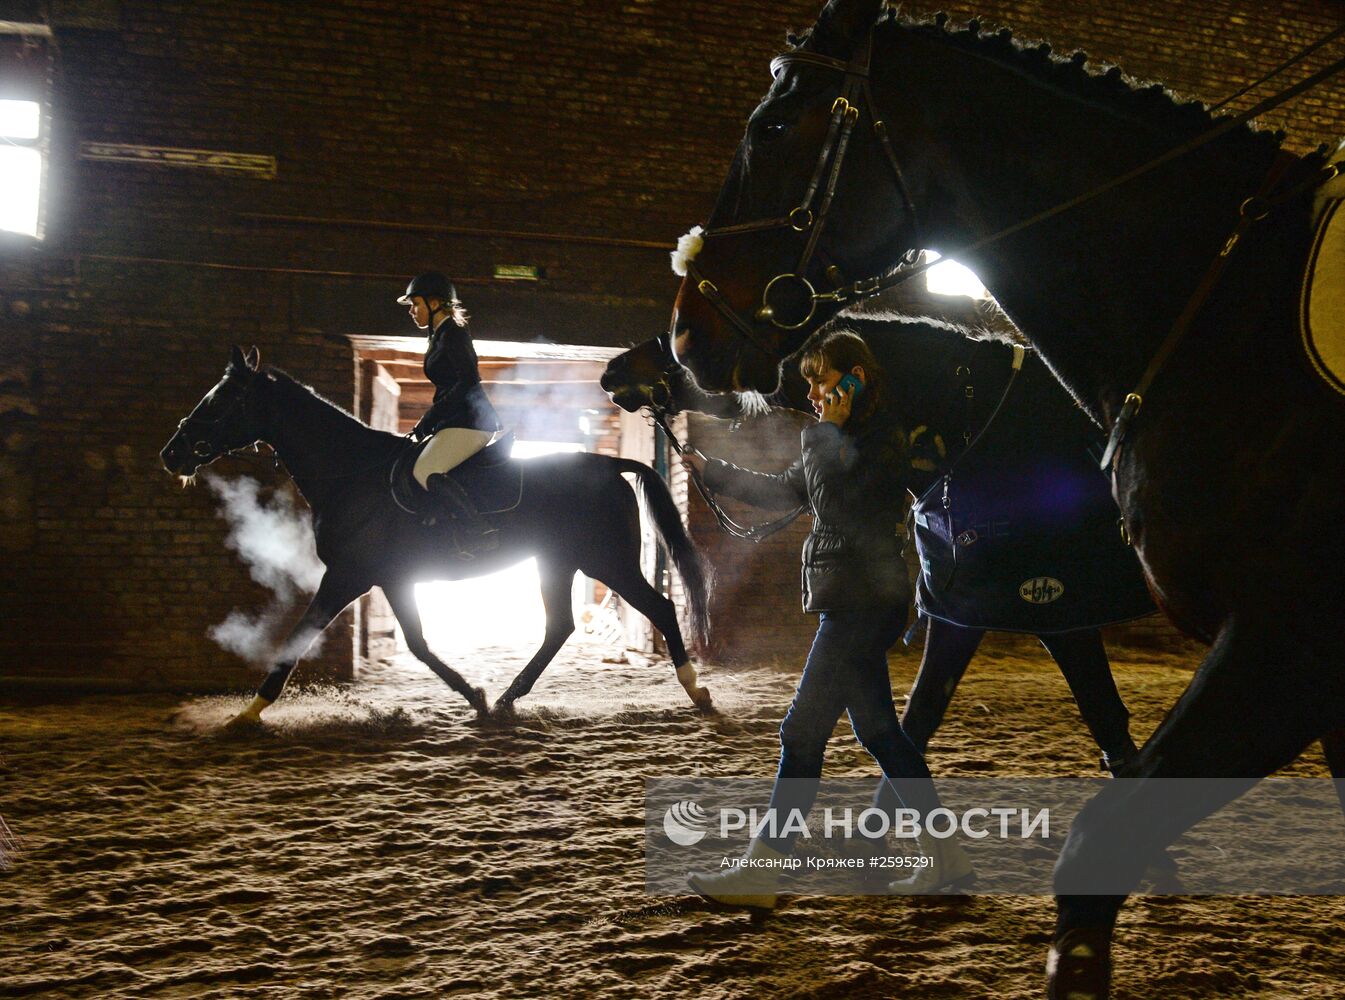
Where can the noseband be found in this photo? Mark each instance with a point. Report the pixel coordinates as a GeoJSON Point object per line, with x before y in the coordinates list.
{"type": "Point", "coordinates": [202, 447]}
{"type": "Point", "coordinates": [785, 290]}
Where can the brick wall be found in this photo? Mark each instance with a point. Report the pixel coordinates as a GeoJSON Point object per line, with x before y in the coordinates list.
{"type": "Point", "coordinates": [438, 131]}
{"type": "Point", "coordinates": [463, 135]}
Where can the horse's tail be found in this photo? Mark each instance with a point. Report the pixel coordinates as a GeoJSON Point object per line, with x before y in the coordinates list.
{"type": "Point", "coordinates": [695, 572]}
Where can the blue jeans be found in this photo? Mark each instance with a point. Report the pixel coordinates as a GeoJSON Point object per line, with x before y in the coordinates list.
{"type": "Point", "coordinates": [846, 671]}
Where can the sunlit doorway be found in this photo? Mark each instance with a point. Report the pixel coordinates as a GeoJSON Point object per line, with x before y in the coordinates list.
{"type": "Point", "coordinates": [500, 608]}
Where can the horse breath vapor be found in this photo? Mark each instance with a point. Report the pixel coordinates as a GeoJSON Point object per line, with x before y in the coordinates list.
{"type": "Point", "coordinates": [276, 542]}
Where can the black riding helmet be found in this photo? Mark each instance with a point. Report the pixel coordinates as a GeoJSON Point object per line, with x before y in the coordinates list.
{"type": "Point", "coordinates": [430, 285]}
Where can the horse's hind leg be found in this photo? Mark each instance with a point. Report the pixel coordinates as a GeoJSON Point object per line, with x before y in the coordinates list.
{"type": "Point", "coordinates": [1082, 659]}
{"type": "Point", "coordinates": [403, 602]}
{"type": "Point", "coordinates": [559, 627]}
{"type": "Point", "coordinates": [1252, 707]}
{"type": "Point", "coordinates": [635, 590]}
{"type": "Point", "coordinates": [948, 652]}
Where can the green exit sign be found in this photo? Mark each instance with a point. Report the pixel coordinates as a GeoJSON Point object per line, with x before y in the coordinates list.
{"type": "Point", "coordinates": [518, 272]}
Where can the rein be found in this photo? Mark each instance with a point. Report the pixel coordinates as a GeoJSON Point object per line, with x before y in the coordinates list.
{"type": "Point", "coordinates": [753, 532]}
{"type": "Point", "coordinates": [1251, 210]}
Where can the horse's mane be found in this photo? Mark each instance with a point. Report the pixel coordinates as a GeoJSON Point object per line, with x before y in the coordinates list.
{"type": "Point", "coordinates": [1110, 88]}
{"type": "Point", "coordinates": [333, 414]}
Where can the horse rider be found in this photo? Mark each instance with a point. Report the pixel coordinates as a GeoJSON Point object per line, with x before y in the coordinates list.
{"type": "Point", "coordinates": [461, 420]}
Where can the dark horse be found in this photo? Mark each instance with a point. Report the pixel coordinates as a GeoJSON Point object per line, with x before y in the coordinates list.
{"type": "Point", "coordinates": [1228, 478]}
{"type": "Point", "coordinates": [944, 388]}
{"type": "Point", "coordinates": [575, 513]}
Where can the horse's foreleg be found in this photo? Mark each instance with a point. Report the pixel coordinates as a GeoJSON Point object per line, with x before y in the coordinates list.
{"type": "Point", "coordinates": [403, 602]}
{"type": "Point", "coordinates": [1082, 659]}
{"type": "Point", "coordinates": [635, 590]}
{"type": "Point", "coordinates": [333, 596]}
{"type": "Point", "coordinates": [1252, 707]}
{"type": "Point", "coordinates": [559, 627]}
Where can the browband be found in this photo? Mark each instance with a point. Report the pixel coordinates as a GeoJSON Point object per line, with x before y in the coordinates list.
{"type": "Point", "coordinates": [780, 62]}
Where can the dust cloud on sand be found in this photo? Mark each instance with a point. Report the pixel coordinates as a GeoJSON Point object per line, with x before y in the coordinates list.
{"type": "Point", "coordinates": [380, 841]}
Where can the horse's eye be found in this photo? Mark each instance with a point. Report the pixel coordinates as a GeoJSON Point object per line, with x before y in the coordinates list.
{"type": "Point", "coordinates": [771, 129]}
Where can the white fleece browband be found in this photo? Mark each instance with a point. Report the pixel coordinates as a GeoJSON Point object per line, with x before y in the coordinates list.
{"type": "Point", "coordinates": [687, 248]}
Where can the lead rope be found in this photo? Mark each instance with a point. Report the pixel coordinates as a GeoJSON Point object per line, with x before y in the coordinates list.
{"type": "Point", "coordinates": [946, 500]}
{"type": "Point", "coordinates": [751, 533]}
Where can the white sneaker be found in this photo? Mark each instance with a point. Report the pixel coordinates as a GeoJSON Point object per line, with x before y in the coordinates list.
{"type": "Point", "coordinates": [950, 868]}
{"type": "Point", "coordinates": [752, 885]}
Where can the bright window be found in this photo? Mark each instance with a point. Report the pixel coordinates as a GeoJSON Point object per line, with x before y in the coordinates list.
{"type": "Point", "coordinates": [20, 119]}
{"type": "Point", "coordinates": [25, 72]}
{"type": "Point", "coordinates": [21, 182]}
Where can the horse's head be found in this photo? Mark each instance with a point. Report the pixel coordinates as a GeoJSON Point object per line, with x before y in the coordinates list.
{"type": "Point", "coordinates": [227, 418]}
{"type": "Point", "coordinates": [813, 196]}
{"type": "Point", "coordinates": [642, 376]}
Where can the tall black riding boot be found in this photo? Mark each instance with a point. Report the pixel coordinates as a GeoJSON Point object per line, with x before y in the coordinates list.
{"type": "Point", "coordinates": [472, 532]}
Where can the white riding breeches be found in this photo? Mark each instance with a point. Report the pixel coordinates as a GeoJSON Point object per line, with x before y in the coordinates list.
{"type": "Point", "coordinates": [449, 448]}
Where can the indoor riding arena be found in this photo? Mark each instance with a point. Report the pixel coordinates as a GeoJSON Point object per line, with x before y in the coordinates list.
{"type": "Point", "coordinates": [281, 716]}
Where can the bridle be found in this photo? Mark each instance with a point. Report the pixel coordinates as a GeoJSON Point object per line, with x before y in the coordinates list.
{"type": "Point", "coordinates": [201, 446]}
{"type": "Point", "coordinates": [660, 411]}
{"type": "Point", "coordinates": [845, 112]}
{"type": "Point", "coordinates": [810, 215]}
{"type": "Point", "coordinates": [204, 449]}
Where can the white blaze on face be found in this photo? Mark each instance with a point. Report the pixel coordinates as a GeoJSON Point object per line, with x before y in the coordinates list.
{"type": "Point", "coordinates": [687, 248]}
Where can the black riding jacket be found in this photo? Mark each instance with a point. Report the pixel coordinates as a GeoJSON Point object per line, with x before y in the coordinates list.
{"type": "Point", "coordinates": [854, 480]}
{"type": "Point", "coordinates": [459, 400]}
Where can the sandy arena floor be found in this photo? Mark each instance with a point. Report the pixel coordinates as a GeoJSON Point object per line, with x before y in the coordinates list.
{"type": "Point", "coordinates": [379, 841]}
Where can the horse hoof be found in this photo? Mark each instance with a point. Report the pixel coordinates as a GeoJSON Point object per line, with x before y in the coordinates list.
{"type": "Point", "coordinates": [479, 701]}
{"type": "Point", "coordinates": [1079, 966]}
{"type": "Point", "coordinates": [503, 707]}
{"type": "Point", "coordinates": [701, 699]}
{"type": "Point", "coordinates": [243, 721]}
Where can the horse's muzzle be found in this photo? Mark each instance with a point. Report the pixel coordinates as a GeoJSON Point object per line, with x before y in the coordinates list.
{"type": "Point", "coordinates": [177, 456]}
{"type": "Point", "coordinates": [625, 395]}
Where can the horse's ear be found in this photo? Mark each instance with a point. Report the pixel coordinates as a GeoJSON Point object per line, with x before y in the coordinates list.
{"type": "Point", "coordinates": [842, 24]}
{"type": "Point", "coordinates": [243, 362]}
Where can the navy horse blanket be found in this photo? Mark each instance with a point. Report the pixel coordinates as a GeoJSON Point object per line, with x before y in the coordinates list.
{"type": "Point", "coordinates": [1021, 538]}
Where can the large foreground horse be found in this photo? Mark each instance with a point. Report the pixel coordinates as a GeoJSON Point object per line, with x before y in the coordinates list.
{"type": "Point", "coordinates": [574, 513]}
{"type": "Point", "coordinates": [1169, 303]}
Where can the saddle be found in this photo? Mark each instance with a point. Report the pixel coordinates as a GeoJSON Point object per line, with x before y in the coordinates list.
{"type": "Point", "coordinates": [1322, 303]}
{"type": "Point", "coordinates": [490, 478]}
